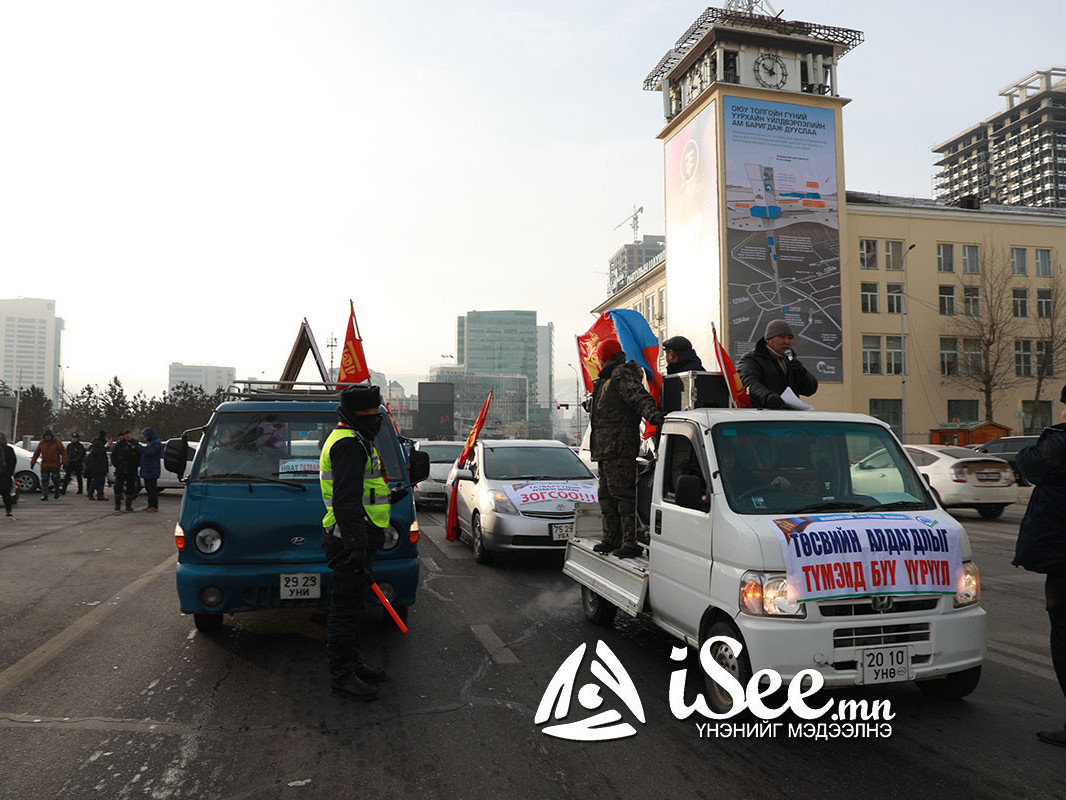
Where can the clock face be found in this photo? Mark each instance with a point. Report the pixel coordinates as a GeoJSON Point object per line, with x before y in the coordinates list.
{"type": "Point", "coordinates": [770, 71]}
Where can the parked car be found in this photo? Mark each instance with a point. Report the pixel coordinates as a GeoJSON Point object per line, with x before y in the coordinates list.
{"type": "Point", "coordinates": [442, 456]}
{"type": "Point", "coordinates": [519, 495]}
{"type": "Point", "coordinates": [1007, 447]}
{"type": "Point", "coordinates": [27, 478]}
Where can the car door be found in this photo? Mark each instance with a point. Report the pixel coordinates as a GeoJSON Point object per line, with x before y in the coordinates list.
{"type": "Point", "coordinates": [680, 550]}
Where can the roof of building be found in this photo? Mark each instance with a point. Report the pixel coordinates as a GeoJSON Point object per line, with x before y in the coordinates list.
{"type": "Point", "coordinates": [896, 201]}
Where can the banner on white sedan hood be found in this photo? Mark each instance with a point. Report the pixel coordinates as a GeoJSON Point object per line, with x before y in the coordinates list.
{"type": "Point", "coordinates": [543, 491]}
{"type": "Point", "coordinates": [832, 556]}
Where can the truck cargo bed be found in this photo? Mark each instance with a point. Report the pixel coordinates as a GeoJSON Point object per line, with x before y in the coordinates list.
{"type": "Point", "coordinates": [623, 582]}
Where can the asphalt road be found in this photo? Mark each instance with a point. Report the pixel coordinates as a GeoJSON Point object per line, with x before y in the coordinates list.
{"type": "Point", "coordinates": [107, 691]}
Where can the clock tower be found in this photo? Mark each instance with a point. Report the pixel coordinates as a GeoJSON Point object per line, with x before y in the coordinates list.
{"type": "Point", "coordinates": [754, 174]}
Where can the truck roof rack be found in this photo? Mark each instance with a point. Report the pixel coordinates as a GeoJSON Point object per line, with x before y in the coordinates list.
{"type": "Point", "coordinates": [285, 390]}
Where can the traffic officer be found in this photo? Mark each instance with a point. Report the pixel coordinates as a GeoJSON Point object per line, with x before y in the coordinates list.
{"type": "Point", "coordinates": [358, 500]}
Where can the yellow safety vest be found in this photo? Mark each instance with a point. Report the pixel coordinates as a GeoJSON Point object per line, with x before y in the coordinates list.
{"type": "Point", "coordinates": [375, 489]}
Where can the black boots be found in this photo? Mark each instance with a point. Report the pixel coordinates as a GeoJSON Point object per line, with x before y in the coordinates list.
{"type": "Point", "coordinates": [628, 551]}
{"type": "Point", "coordinates": [605, 547]}
{"type": "Point", "coordinates": [118, 502]}
{"type": "Point", "coordinates": [368, 674]}
{"type": "Point", "coordinates": [345, 679]}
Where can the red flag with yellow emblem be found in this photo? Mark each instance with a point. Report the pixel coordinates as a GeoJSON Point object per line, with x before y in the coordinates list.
{"type": "Point", "coordinates": [353, 367]}
{"type": "Point", "coordinates": [451, 524]}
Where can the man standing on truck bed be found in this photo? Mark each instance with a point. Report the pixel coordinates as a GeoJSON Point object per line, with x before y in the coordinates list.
{"type": "Point", "coordinates": [356, 493]}
{"type": "Point", "coordinates": [619, 400]}
{"type": "Point", "coordinates": [772, 367]}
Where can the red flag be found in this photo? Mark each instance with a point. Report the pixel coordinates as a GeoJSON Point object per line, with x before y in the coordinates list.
{"type": "Point", "coordinates": [451, 526]}
{"type": "Point", "coordinates": [737, 391]}
{"type": "Point", "coordinates": [353, 363]}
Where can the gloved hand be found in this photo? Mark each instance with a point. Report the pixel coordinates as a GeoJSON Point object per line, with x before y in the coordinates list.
{"type": "Point", "coordinates": [396, 495]}
{"type": "Point", "coordinates": [657, 419]}
{"type": "Point", "coordinates": [356, 559]}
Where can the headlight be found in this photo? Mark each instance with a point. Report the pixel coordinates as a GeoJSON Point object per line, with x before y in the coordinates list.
{"type": "Point", "coordinates": [968, 589]}
{"type": "Point", "coordinates": [208, 540]}
{"type": "Point", "coordinates": [766, 595]}
{"type": "Point", "coordinates": [502, 504]}
{"type": "Point", "coordinates": [392, 538]}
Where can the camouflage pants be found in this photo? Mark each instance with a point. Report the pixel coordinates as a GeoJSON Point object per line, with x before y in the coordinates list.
{"type": "Point", "coordinates": [618, 500]}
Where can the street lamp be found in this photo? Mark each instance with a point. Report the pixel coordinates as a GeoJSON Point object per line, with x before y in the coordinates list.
{"type": "Point", "coordinates": [903, 347]}
{"type": "Point", "coordinates": [577, 405]}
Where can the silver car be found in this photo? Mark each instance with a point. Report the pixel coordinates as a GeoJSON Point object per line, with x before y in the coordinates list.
{"type": "Point", "coordinates": [442, 456]}
{"type": "Point", "coordinates": [519, 495]}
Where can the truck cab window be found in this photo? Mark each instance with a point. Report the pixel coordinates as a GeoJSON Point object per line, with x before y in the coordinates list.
{"type": "Point", "coordinates": [679, 458]}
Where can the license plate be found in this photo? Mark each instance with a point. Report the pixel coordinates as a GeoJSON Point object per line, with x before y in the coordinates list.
{"type": "Point", "coordinates": [562, 530]}
{"type": "Point", "coordinates": [886, 665]}
{"type": "Point", "coordinates": [988, 476]}
{"type": "Point", "coordinates": [300, 586]}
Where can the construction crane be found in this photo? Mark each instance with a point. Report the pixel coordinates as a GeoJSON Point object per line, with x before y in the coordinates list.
{"type": "Point", "coordinates": [633, 220]}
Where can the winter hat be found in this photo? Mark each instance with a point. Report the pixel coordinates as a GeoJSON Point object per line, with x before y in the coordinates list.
{"type": "Point", "coordinates": [359, 398]}
{"type": "Point", "coordinates": [679, 344]}
{"type": "Point", "coordinates": [777, 327]}
{"type": "Point", "coordinates": [608, 349]}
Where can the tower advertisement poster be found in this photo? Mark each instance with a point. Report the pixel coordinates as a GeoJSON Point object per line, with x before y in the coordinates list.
{"type": "Point", "coordinates": [782, 228]}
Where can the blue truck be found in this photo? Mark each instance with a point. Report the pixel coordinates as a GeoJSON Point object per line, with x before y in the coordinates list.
{"type": "Point", "coordinates": [249, 535]}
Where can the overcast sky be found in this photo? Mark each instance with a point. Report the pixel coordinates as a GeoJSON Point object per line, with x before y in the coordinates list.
{"type": "Point", "coordinates": [189, 180]}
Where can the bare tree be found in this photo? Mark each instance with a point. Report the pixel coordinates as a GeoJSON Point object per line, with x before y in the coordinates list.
{"type": "Point", "coordinates": [1050, 329]}
{"type": "Point", "coordinates": [988, 321]}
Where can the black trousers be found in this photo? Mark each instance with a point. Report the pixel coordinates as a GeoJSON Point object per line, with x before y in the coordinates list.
{"type": "Point", "coordinates": [151, 488]}
{"type": "Point", "coordinates": [6, 490]}
{"type": "Point", "coordinates": [346, 600]}
{"type": "Point", "coordinates": [50, 476]}
{"type": "Point", "coordinates": [73, 470]}
{"type": "Point", "coordinates": [126, 483]}
{"type": "Point", "coordinates": [1055, 591]}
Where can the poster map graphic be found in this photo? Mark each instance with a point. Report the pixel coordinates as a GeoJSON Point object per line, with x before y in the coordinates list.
{"type": "Point", "coordinates": [783, 229]}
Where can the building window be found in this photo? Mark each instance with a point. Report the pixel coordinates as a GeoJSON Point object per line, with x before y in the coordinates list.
{"type": "Point", "coordinates": [649, 307]}
{"type": "Point", "coordinates": [869, 298]}
{"type": "Point", "coordinates": [1036, 417]}
{"type": "Point", "coordinates": [1045, 360]}
{"type": "Point", "coordinates": [639, 307]}
{"type": "Point", "coordinates": [1043, 263]}
{"type": "Point", "coordinates": [1023, 358]}
{"type": "Point", "coordinates": [893, 255]}
{"type": "Point", "coordinates": [962, 411]}
{"type": "Point", "coordinates": [949, 357]}
{"type": "Point", "coordinates": [972, 358]}
{"type": "Point", "coordinates": [894, 355]}
{"type": "Point", "coordinates": [1017, 261]}
{"type": "Point", "coordinates": [971, 301]}
{"type": "Point", "coordinates": [1043, 303]}
{"type": "Point", "coordinates": [894, 298]}
{"type": "Point", "coordinates": [868, 253]}
{"type": "Point", "coordinates": [1020, 299]}
{"type": "Point", "coordinates": [889, 412]}
{"type": "Point", "coordinates": [971, 259]}
{"type": "Point", "coordinates": [945, 258]}
{"type": "Point", "coordinates": [871, 355]}
{"type": "Point", "coordinates": [662, 302]}
{"type": "Point", "coordinates": [947, 301]}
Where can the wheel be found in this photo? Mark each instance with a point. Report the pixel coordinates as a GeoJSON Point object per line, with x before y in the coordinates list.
{"type": "Point", "coordinates": [477, 540]}
{"type": "Point", "coordinates": [207, 623]}
{"type": "Point", "coordinates": [952, 687]}
{"type": "Point", "coordinates": [991, 510]}
{"type": "Point", "coordinates": [27, 482]}
{"type": "Point", "coordinates": [738, 666]}
{"type": "Point", "coordinates": [598, 611]}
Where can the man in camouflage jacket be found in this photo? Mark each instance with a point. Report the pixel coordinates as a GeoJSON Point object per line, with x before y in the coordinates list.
{"type": "Point", "coordinates": [619, 400]}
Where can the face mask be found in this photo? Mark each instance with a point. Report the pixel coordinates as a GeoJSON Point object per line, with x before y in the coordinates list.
{"type": "Point", "coordinates": [368, 424]}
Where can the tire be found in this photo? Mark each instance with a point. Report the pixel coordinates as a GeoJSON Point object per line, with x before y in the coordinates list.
{"type": "Point", "coordinates": [952, 687]}
{"type": "Point", "coordinates": [477, 540]}
{"type": "Point", "coordinates": [739, 666]}
{"type": "Point", "coordinates": [991, 510]}
{"type": "Point", "coordinates": [27, 482]}
{"type": "Point", "coordinates": [208, 623]}
{"type": "Point", "coordinates": [598, 611]}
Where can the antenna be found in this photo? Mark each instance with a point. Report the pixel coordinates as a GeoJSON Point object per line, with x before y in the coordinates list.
{"type": "Point", "coordinates": [751, 7]}
{"type": "Point", "coordinates": [632, 220]}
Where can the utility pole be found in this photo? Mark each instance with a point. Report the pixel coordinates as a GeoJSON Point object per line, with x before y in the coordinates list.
{"type": "Point", "coordinates": [903, 348]}
{"type": "Point", "coordinates": [577, 404]}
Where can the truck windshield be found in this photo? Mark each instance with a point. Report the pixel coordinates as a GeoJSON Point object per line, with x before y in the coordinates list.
{"type": "Point", "coordinates": [534, 463]}
{"type": "Point", "coordinates": [807, 467]}
{"type": "Point", "coordinates": [286, 445]}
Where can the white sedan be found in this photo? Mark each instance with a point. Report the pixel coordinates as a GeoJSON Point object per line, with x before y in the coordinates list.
{"type": "Point", "coordinates": [962, 478]}
{"type": "Point", "coordinates": [27, 478]}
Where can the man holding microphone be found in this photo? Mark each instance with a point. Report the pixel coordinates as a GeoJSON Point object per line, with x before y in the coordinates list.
{"type": "Point", "coordinates": [772, 367]}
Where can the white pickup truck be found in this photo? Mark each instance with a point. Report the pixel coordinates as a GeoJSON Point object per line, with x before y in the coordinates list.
{"type": "Point", "coordinates": [756, 532]}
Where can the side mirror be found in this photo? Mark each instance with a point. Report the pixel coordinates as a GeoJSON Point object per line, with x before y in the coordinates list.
{"type": "Point", "coordinates": [689, 492]}
{"type": "Point", "coordinates": [175, 456]}
{"type": "Point", "coordinates": [464, 475]}
{"type": "Point", "coordinates": [418, 467]}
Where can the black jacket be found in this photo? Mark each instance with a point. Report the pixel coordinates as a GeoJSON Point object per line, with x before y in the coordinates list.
{"type": "Point", "coordinates": [765, 381]}
{"type": "Point", "coordinates": [686, 361]}
{"type": "Point", "coordinates": [8, 462]}
{"type": "Point", "coordinates": [1041, 543]}
{"type": "Point", "coordinates": [75, 453]}
{"type": "Point", "coordinates": [348, 457]}
{"type": "Point", "coordinates": [125, 457]}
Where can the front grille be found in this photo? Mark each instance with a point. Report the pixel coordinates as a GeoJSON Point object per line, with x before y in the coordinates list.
{"type": "Point", "coordinates": [567, 515]}
{"type": "Point", "coordinates": [865, 607]}
{"type": "Point", "coordinates": [875, 635]}
{"type": "Point", "coordinates": [537, 541]}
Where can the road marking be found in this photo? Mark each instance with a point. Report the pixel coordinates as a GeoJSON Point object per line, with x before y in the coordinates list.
{"type": "Point", "coordinates": [1006, 537]}
{"type": "Point", "coordinates": [429, 564]}
{"type": "Point", "coordinates": [500, 652]}
{"type": "Point", "coordinates": [29, 664]}
{"type": "Point", "coordinates": [10, 720]}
